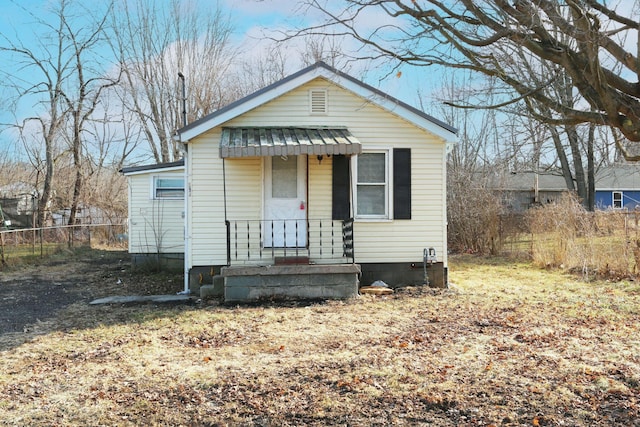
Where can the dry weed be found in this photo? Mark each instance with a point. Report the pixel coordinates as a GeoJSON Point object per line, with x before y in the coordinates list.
{"type": "Point", "coordinates": [601, 244]}
{"type": "Point", "coordinates": [508, 344]}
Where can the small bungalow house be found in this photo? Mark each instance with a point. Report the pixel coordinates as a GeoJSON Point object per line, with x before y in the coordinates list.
{"type": "Point", "coordinates": [304, 189]}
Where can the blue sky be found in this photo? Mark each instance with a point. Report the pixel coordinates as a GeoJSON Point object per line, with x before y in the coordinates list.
{"type": "Point", "coordinates": [251, 19]}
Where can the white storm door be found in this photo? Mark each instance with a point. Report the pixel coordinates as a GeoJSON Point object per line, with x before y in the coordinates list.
{"type": "Point", "coordinates": [285, 204]}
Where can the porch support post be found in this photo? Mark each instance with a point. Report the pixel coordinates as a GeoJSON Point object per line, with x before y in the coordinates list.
{"type": "Point", "coordinates": [226, 220]}
{"type": "Point", "coordinates": [352, 214]}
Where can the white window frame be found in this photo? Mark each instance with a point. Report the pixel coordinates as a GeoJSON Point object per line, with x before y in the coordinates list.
{"type": "Point", "coordinates": [155, 188]}
{"type": "Point", "coordinates": [619, 199]}
{"type": "Point", "coordinates": [388, 196]}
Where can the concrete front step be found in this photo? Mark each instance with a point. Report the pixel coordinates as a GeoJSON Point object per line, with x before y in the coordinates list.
{"type": "Point", "coordinates": [252, 283]}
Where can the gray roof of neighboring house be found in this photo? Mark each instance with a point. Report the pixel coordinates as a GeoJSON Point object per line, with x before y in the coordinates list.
{"type": "Point", "coordinates": [622, 177]}
{"type": "Point", "coordinates": [17, 189]}
{"type": "Point", "coordinates": [617, 177]}
{"type": "Point", "coordinates": [525, 181]}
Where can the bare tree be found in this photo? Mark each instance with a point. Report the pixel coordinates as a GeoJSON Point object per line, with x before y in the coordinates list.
{"type": "Point", "coordinates": [83, 96]}
{"type": "Point", "coordinates": [154, 43]}
{"type": "Point", "coordinates": [258, 71]}
{"type": "Point", "coordinates": [585, 39]}
{"type": "Point", "coordinates": [50, 62]}
{"type": "Point", "coordinates": [325, 48]}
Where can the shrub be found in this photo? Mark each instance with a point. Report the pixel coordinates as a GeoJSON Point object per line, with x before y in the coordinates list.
{"type": "Point", "coordinates": [473, 214]}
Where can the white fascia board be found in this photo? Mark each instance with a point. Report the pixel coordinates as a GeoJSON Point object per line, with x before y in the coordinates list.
{"type": "Point", "coordinates": [155, 171]}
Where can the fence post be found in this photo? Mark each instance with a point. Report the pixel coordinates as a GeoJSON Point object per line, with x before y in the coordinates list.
{"type": "Point", "coordinates": [2, 248]}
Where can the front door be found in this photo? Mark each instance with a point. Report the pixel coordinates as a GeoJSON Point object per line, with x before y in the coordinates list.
{"type": "Point", "coordinates": [285, 204]}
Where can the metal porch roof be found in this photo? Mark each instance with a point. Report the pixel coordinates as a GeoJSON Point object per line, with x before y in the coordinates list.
{"type": "Point", "coordinates": [287, 141]}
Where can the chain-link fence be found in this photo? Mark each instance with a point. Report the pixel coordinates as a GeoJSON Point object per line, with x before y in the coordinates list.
{"type": "Point", "coordinates": [27, 242]}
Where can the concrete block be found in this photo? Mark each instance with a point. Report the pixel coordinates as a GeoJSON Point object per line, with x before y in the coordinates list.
{"type": "Point", "coordinates": [211, 291]}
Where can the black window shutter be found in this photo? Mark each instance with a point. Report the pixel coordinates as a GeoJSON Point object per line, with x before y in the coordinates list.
{"type": "Point", "coordinates": [340, 192]}
{"type": "Point", "coordinates": [402, 183]}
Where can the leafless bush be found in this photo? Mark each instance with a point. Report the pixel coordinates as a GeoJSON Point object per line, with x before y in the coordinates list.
{"type": "Point", "coordinates": [473, 215]}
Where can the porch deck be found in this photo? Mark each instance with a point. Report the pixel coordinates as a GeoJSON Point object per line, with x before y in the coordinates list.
{"type": "Point", "coordinates": [316, 260]}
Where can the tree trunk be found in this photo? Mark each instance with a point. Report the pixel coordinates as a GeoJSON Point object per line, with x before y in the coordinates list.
{"type": "Point", "coordinates": [47, 189]}
{"type": "Point", "coordinates": [578, 168]}
{"type": "Point", "coordinates": [591, 172]}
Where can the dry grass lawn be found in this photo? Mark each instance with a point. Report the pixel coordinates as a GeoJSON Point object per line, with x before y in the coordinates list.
{"type": "Point", "coordinates": [507, 344]}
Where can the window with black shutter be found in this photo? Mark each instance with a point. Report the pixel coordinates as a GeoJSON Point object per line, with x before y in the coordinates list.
{"type": "Point", "coordinates": [382, 184]}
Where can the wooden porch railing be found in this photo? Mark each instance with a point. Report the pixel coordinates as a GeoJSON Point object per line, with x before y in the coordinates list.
{"type": "Point", "coordinates": [321, 240]}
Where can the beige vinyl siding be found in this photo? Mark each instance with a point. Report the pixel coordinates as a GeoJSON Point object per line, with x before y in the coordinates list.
{"type": "Point", "coordinates": [379, 241]}
{"type": "Point", "coordinates": [207, 232]}
{"type": "Point", "coordinates": [319, 205]}
{"type": "Point", "coordinates": [319, 191]}
{"type": "Point", "coordinates": [155, 226]}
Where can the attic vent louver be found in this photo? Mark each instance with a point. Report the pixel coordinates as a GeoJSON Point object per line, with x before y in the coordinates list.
{"type": "Point", "coordinates": [318, 101]}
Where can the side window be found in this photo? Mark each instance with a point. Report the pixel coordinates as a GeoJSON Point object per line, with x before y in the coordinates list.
{"type": "Point", "coordinates": [168, 187]}
{"type": "Point", "coordinates": [372, 185]}
{"type": "Point", "coordinates": [617, 199]}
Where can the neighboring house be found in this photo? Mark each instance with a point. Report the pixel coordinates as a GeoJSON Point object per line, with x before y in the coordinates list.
{"type": "Point", "coordinates": [85, 214]}
{"type": "Point", "coordinates": [156, 213]}
{"type": "Point", "coordinates": [308, 185]}
{"type": "Point", "coordinates": [617, 187]}
{"type": "Point", "coordinates": [520, 191]}
{"type": "Point", "coordinates": [18, 205]}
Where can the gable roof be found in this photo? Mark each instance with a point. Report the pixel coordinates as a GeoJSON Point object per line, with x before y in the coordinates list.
{"type": "Point", "coordinates": [319, 69]}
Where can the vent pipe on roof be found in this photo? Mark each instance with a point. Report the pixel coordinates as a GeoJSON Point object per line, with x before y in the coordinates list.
{"type": "Point", "coordinates": [184, 99]}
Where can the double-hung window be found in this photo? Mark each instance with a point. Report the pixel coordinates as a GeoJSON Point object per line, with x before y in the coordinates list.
{"type": "Point", "coordinates": [381, 185]}
{"type": "Point", "coordinates": [372, 185]}
{"type": "Point", "coordinates": [168, 187]}
{"type": "Point", "coordinates": [617, 199]}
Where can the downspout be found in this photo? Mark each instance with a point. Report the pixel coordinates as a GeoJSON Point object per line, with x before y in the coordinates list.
{"type": "Point", "coordinates": [187, 233]}
{"type": "Point", "coordinates": [187, 191]}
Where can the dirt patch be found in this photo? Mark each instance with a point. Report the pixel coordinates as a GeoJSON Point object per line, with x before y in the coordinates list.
{"type": "Point", "coordinates": [35, 293]}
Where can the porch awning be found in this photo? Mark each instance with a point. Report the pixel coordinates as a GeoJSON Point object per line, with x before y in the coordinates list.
{"type": "Point", "coordinates": [287, 141]}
